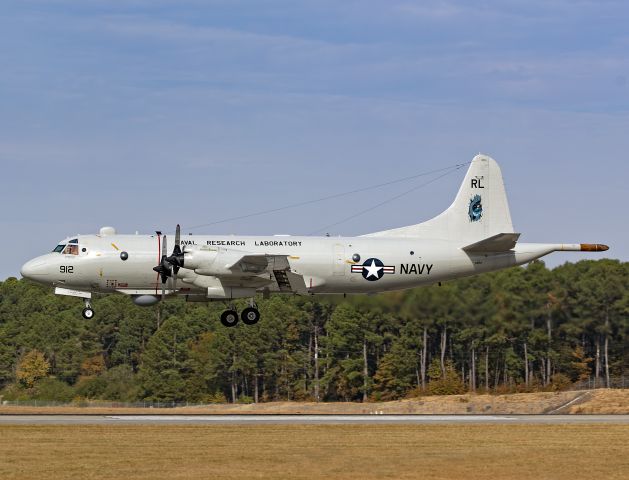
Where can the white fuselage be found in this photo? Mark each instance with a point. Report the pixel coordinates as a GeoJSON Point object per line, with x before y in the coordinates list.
{"type": "Point", "coordinates": [326, 264]}
{"type": "Point", "coordinates": [474, 235]}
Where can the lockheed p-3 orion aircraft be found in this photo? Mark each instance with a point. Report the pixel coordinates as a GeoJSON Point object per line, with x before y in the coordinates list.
{"type": "Point", "coordinates": [474, 235]}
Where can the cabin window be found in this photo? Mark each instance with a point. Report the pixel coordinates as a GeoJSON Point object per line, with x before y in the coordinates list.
{"type": "Point", "coordinates": [71, 249]}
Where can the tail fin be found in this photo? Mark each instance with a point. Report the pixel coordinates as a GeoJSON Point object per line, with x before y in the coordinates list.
{"type": "Point", "coordinates": [480, 209]}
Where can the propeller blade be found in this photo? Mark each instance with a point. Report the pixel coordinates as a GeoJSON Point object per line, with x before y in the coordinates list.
{"type": "Point", "coordinates": [173, 274]}
{"type": "Point", "coordinates": [165, 268]}
{"type": "Point", "coordinates": [176, 259]}
{"type": "Point", "coordinates": [170, 265]}
{"type": "Point", "coordinates": [157, 268]}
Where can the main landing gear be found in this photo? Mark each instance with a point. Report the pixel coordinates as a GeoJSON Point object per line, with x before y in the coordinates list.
{"type": "Point", "coordinates": [229, 318]}
{"type": "Point", "coordinates": [249, 316]}
{"type": "Point", "coordinates": [88, 311]}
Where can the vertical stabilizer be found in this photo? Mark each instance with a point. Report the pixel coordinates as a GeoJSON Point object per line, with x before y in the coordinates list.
{"type": "Point", "coordinates": [480, 209]}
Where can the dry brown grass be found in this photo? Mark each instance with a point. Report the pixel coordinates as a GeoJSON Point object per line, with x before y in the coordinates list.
{"type": "Point", "coordinates": [604, 401]}
{"type": "Point", "coordinates": [600, 401]}
{"type": "Point", "coordinates": [315, 451]}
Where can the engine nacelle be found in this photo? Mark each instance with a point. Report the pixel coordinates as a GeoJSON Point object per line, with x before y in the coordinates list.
{"type": "Point", "coordinates": [219, 293]}
{"type": "Point", "coordinates": [194, 259]}
{"type": "Point", "coordinates": [210, 262]}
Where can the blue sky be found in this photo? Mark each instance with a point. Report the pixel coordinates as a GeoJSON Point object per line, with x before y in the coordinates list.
{"type": "Point", "coordinates": [142, 114]}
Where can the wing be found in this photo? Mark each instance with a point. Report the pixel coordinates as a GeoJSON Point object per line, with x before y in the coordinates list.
{"type": "Point", "coordinates": [263, 270]}
{"type": "Point", "coordinates": [258, 263]}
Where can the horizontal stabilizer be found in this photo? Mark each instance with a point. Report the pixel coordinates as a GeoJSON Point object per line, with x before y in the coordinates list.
{"type": "Point", "coordinates": [502, 242]}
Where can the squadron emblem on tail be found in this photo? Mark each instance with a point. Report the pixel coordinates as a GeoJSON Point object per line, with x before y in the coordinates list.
{"type": "Point", "coordinates": [475, 210]}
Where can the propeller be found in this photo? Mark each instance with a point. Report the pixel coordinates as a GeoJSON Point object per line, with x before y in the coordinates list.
{"type": "Point", "coordinates": [176, 259]}
{"type": "Point", "coordinates": [170, 265]}
{"type": "Point", "coordinates": [164, 269]}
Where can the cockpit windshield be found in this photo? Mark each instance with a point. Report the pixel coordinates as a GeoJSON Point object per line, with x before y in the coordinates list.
{"type": "Point", "coordinates": [72, 248]}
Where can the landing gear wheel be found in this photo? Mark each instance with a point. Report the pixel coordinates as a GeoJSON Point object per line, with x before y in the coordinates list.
{"type": "Point", "coordinates": [229, 318]}
{"type": "Point", "coordinates": [88, 313]}
{"type": "Point", "coordinates": [250, 316]}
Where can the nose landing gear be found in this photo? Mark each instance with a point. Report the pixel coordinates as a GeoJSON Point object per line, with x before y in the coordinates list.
{"type": "Point", "coordinates": [88, 311]}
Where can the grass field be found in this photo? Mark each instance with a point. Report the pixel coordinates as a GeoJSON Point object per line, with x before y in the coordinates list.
{"type": "Point", "coordinates": [608, 401]}
{"type": "Point", "coordinates": [315, 451]}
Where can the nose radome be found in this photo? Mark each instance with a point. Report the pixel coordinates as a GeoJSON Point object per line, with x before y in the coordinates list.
{"type": "Point", "coordinates": [33, 268]}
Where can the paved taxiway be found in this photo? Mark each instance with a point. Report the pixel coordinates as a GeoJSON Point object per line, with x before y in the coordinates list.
{"type": "Point", "coordinates": [305, 419]}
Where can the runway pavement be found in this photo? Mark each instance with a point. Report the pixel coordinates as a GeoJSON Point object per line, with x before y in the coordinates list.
{"type": "Point", "coordinates": [306, 419]}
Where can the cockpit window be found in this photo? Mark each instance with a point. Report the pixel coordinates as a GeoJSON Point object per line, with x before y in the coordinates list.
{"type": "Point", "coordinates": [71, 249]}
{"type": "Point", "coordinates": [59, 248]}
{"type": "Point", "coordinates": [74, 240]}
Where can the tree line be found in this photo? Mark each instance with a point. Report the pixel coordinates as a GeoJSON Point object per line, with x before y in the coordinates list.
{"type": "Point", "coordinates": [523, 329]}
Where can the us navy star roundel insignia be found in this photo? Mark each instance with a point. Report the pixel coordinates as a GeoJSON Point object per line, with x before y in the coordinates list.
{"type": "Point", "coordinates": [373, 269]}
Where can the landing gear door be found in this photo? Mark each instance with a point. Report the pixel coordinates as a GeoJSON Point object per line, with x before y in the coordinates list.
{"type": "Point", "coordinates": [339, 259]}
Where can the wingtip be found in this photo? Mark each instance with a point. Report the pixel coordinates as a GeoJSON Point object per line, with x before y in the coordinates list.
{"type": "Point", "coordinates": [593, 247]}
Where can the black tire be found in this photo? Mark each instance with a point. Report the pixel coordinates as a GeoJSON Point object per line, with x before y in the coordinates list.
{"type": "Point", "coordinates": [229, 318]}
{"type": "Point", "coordinates": [250, 316]}
{"type": "Point", "coordinates": [87, 313]}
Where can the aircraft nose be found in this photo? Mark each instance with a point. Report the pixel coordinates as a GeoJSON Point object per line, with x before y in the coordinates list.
{"type": "Point", "coordinates": [34, 269]}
